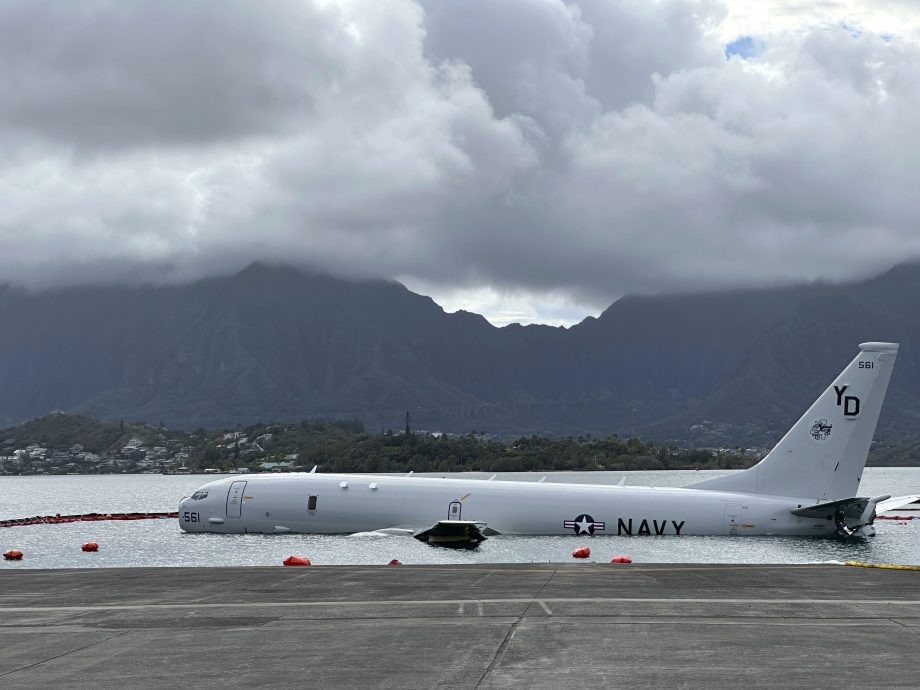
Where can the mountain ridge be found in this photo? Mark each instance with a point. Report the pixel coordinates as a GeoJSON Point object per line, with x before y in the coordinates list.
{"type": "Point", "coordinates": [275, 342]}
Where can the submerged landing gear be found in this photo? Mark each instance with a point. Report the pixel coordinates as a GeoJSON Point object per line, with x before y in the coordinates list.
{"type": "Point", "coordinates": [846, 531]}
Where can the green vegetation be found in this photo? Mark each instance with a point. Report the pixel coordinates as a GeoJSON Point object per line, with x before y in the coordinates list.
{"type": "Point", "coordinates": [60, 431]}
{"type": "Point", "coordinates": [901, 453]}
{"type": "Point", "coordinates": [61, 443]}
{"type": "Point", "coordinates": [346, 447]}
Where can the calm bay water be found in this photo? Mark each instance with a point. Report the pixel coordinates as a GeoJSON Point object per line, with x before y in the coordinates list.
{"type": "Point", "coordinates": [161, 543]}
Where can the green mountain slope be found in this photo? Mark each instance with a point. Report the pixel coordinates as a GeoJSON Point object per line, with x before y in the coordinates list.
{"type": "Point", "coordinates": [276, 343]}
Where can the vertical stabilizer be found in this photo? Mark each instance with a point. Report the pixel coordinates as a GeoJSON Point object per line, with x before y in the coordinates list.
{"type": "Point", "coordinates": [823, 455]}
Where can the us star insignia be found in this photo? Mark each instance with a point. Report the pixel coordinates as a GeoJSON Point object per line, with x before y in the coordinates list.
{"type": "Point", "coordinates": [584, 524]}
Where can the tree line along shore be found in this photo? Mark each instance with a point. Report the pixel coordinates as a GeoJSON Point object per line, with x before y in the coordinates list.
{"type": "Point", "coordinates": [73, 444]}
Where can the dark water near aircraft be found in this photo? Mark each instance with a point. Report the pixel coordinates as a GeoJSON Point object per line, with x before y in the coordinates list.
{"type": "Point", "coordinates": [161, 543]}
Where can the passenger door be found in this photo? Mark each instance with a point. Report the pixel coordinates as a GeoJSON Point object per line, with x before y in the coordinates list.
{"type": "Point", "coordinates": [235, 499]}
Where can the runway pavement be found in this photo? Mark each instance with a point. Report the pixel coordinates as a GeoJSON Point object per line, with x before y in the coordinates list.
{"type": "Point", "coordinates": [489, 626]}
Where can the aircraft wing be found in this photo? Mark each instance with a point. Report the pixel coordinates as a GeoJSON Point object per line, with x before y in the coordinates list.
{"type": "Point", "coordinates": [898, 502]}
{"type": "Point", "coordinates": [397, 531]}
{"type": "Point", "coordinates": [452, 533]}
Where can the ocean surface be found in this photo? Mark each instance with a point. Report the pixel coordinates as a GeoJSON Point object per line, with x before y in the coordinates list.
{"type": "Point", "coordinates": [162, 543]}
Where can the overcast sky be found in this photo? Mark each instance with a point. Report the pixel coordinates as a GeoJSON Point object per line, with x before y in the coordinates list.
{"type": "Point", "coordinates": [530, 160]}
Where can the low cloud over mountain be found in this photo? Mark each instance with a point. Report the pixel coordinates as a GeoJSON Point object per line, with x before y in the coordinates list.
{"type": "Point", "coordinates": [556, 151]}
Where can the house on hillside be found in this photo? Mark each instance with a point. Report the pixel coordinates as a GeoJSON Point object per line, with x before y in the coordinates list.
{"type": "Point", "coordinates": [276, 466]}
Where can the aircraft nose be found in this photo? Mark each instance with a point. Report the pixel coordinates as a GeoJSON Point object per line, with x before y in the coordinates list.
{"type": "Point", "coordinates": [189, 512]}
{"type": "Point", "coordinates": [197, 509]}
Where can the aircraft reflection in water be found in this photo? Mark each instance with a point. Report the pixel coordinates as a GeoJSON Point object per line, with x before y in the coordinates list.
{"type": "Point", "coordinates": [805, 486]}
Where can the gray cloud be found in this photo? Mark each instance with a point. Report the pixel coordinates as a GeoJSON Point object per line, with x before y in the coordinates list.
{"type": "Point", "coordinates": [131, 72]}
{"type": "Point", "coordinates": [574, 149]}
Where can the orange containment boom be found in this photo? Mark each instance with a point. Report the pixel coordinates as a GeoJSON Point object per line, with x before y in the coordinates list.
{"type": "Point", "coordinates": [897, 517]}
{"type": "Point", "coordinates": [59, 519]}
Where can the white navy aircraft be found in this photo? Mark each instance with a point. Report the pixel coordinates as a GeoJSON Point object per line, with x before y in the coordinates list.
{"type": "Point", "coordinates": [806, 485]}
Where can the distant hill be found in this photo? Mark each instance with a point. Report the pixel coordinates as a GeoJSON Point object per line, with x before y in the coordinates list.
{"type": "Point", "coordinates": [725, 368]}
{"type": "Point", "coordinates": [60, 431]}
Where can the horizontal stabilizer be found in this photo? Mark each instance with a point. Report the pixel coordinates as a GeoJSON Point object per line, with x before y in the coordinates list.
{"type": "Point", "coordinates": [850, 506]}
{"type": "Point", "coordinates": [899, 502]}
{"type": "Point", "coordinates": [827, 510]}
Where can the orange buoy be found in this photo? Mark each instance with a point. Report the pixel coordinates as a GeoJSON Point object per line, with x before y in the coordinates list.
{"type": "Point", "coordinates": [296, 560]}
{"type": "Point", "coordinates": [90, 546]}
{"type": "Point", "coordinates": [13, 555]}
{"type": "Point", "coordinates": [581, 552]}
{"type": "Point", "coordinates": [621, 559]}
{"type": "Point", "coordinates": [395, 562]}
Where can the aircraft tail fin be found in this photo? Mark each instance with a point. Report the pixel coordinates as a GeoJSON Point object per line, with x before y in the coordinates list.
{"type": "Point", "coordinates": [823, 455]}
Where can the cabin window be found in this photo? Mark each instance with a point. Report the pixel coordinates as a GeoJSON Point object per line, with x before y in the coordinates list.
{"type": "Point", "coordinates": [311, 503]}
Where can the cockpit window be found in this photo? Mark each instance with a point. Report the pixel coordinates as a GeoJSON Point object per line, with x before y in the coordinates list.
{"type": "Point", "coordinates": [198, 495]}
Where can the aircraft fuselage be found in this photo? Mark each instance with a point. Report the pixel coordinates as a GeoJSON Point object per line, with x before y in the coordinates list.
{"type": "Point", "coordinates": [344, 504]}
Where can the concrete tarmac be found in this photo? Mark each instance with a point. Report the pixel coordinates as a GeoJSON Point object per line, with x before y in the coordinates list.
{"type": "Point", "coordinates": [473, 626]}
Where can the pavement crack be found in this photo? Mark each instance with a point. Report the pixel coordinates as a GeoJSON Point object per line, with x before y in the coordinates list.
{"type": "Point", "coordinates": [67, 653]}
{"type": "Point", "coordinates": [912, 628]}
{"type": "Point", "coordinates": [540, 591]}
{"type": "Point", "coordinates": [499, 653]}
